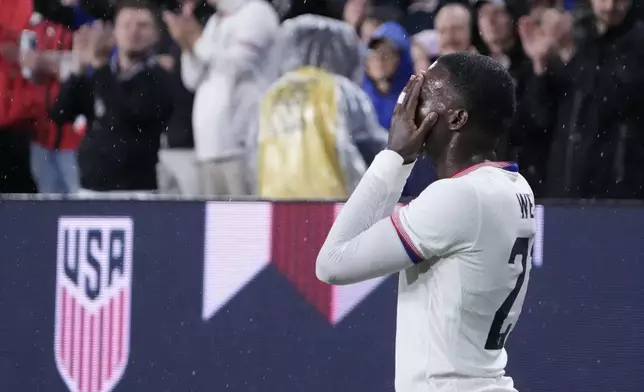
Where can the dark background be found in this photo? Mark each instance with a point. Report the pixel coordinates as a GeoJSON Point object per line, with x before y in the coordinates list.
{"type": "Point", "coordinates": [582, 327]}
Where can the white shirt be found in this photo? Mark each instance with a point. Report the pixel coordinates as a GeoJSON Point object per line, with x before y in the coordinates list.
{"type": "Point", "coordinates": [463, 249]}
{"type": "Point", "coordinates": [225, 62]}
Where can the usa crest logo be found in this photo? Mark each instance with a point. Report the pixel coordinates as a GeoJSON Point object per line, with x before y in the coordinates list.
{"type": "Point", "coordinates": [93, 294]}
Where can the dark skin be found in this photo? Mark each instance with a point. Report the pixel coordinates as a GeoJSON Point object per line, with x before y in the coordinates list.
{"type": "Point", "coordinates": [444, 133]}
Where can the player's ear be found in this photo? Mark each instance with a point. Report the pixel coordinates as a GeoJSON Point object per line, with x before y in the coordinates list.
{"type": "Point", "coordinates": [456, 119]}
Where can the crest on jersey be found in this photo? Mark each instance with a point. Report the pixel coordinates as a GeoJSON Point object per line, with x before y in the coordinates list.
{"type": "Point", "coordinates": [93, 292]}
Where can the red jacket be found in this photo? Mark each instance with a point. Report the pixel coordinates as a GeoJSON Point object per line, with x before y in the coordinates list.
{"type": "Point", "coordinates": [52, 36]}
{"type": "Point", "coordinates": [13, 18]}
{"type": "Point", "coordinates": [22, 101]}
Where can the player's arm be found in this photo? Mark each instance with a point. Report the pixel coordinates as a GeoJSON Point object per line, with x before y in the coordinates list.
{"type": "Point", "coordinates": [442, 220]}
{"type": "Point", "coordinates": [361, 244]}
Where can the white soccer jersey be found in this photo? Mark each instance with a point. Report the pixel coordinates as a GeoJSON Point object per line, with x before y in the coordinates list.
{"type": "Point", "coordinates": [456, 309]}
{"type": "Point", "coordinates": [463, 249]}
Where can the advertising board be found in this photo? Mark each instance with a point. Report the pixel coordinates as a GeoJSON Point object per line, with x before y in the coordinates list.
{"type": "Point", "coordinates": [221, 296]}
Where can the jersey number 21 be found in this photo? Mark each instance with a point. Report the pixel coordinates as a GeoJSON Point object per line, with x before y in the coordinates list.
{"type": "Point", "coordinates": [496, 337]}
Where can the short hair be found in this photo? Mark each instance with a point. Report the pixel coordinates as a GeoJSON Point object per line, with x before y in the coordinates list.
{"type": "Point", "coordinates": [140, 5]}
{"type": "Point", "coordinates": [486, 88]}
{"type": "Point", "coordinates": [454, 7]}
{"type": "Point", "coordinates": [383, 13]}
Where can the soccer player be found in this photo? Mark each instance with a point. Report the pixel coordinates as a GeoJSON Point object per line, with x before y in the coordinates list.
{"type": "Point", "coordinates": [463, 247]}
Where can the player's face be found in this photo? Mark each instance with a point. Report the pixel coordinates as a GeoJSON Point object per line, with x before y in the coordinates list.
{"type": "Point", "coordinates": [438, 96]}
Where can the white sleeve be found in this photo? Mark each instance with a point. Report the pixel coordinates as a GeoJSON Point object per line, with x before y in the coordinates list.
{"type": "Point", "coordinates": [252, 33]}
{"type": "Point", "coordinates": [361, 244]}
{"type": "Point", "coordinates": [193, 70]}
{"type": "Point", "coordinates": [444, 219]}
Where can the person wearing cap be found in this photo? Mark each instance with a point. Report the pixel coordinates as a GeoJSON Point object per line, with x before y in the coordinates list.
{"type": "Point", "coordinates": [389, 66]}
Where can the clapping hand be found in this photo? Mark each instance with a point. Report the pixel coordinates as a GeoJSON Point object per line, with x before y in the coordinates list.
{"type": "Point", "coordinates": [184, 27]}
{"type": "Point", "coordinates": [536, 42]}
{"type": "Point", "coordinates": [80, 50]}
{"type": "Point", "coordinates": [100, 43]}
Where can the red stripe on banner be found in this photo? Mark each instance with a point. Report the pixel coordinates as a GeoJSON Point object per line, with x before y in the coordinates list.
{"type": "Point", "coordinates": [92, 363]}
{"type": "Point", "coordinates": [292, 248]}
{"type": "Point", "coordinates": [63, 328]}
{"type": "Point", "coordinates": [110, 362]}
{"type": "Point", "coordinates": [101, 347]}
{"type": "Point", "coordinates": [81, 369]}
{"type": "Point", "coordinates": [72, 339]}
{"type": "Point", "coordinates": [120, 336]}
{"type": "Point", "coordinates": [106, 341]}
{"type": "Point", "coordinates": [124, 338]}
{"type": "Point", "coordinates": [298, 232]}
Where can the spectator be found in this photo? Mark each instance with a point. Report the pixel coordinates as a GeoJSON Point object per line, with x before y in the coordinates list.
{"type": "Point", "coordinates": [420, 55]}
{"type": "Point", "coordinates": [18, 106]}
{"type": "Point", "coordinates": [495, 22]}
{"type": "Point", "coordinates": [317, 127]}
{"type": "Point", "coordinates": [76, 13]}
{"type": "Point", "coordinates": [425, 49]}
{"type": "Point", "coordinates": [288, 9]}
{"type": "Point", "coordinates": [454, 25]}
{"type": "Point", "coordinates": [496, 26]}
{"type": "Point", "coordinates": [53, 150]}
{"type": "Point", "coordinates": [124, 98]}
{"type": "Point", "coordinates": [178, 169]}
{"type": "Point", "coordinates": [221, 63]}
{"type": "Point", "coordinates": [376, 17]}
{"type": "Point", "coordinates": [420, 15]}
{"type": "Point", "coordinates": [592, 104]}
{"type": "Point", "coordinates": [354, 12]}
{"type": "Point", "coordinates": [69, 13]}
{"type": "Point", "coordinates": [389, 67]}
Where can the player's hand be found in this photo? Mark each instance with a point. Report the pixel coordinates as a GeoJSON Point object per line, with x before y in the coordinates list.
{"type": "Point", "coordinates": [405, 137]}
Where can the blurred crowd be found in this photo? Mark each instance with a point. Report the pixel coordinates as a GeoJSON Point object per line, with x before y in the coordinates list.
{"type": "Point", "coordinates": [293, 98]}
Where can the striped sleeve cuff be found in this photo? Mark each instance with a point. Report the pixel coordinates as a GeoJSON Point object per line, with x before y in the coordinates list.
{"type": "Point", "coordinates": [412, 251]}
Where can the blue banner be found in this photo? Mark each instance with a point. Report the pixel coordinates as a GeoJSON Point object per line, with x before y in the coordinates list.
{"type": "Point", "coordinates": [192, 296]}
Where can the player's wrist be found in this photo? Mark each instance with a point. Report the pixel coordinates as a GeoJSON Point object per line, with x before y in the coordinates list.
{"type": "Point", "coordinates": [406, 159]}
{"type": "Point", "coordinates": [393, 156]}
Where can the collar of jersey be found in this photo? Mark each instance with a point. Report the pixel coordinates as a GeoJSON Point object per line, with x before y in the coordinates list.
{"type": "Point", "coordinates": [507, 166]}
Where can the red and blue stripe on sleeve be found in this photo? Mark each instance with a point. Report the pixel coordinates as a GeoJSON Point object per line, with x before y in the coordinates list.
{"type": "Point", "coordinates": [412, 251]}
